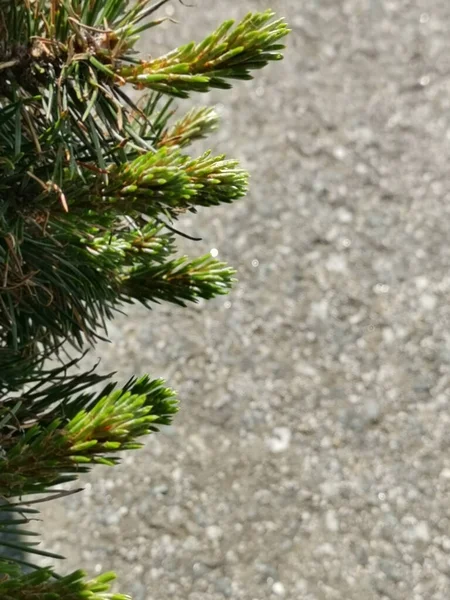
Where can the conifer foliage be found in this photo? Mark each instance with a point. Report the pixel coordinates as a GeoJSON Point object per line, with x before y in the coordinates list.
{"type": "Point", "coordinates": [91, 184]}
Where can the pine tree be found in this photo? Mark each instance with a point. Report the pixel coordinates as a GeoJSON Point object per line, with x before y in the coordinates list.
{"type": "Point", "coordinates": [91, 184]}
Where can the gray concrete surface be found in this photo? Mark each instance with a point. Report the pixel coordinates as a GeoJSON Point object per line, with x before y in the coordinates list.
{"type": "Point", "coordinates": [311, 457]}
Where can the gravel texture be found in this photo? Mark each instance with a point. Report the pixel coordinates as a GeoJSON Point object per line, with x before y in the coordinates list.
{"type": "Point", "coordinates": [311, 457]}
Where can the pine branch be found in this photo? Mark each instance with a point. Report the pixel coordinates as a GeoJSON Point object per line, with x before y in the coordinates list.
{"type": "Point", "coordinates": [152, 183]}
{"type": "Point", "coordinates": [74, 279]}
{"type": "Point", "coordinates": [167, 179]}
{"type": "Point", "coordinates": [49, 451]}
{"type": "Point", "coordinates": [146, 273]}
{"type": "Point", "coordinates": [197, 124]}
{"type": "Point", "coordinates": [42, 585]}
{"type": "Point", "coordinates": [179, 281]}
{"type": "Point", "coordinates": [225, 54]}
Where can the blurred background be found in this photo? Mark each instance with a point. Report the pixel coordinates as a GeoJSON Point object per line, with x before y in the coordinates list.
{"type": "Point", "coordinates": [311, 456]}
